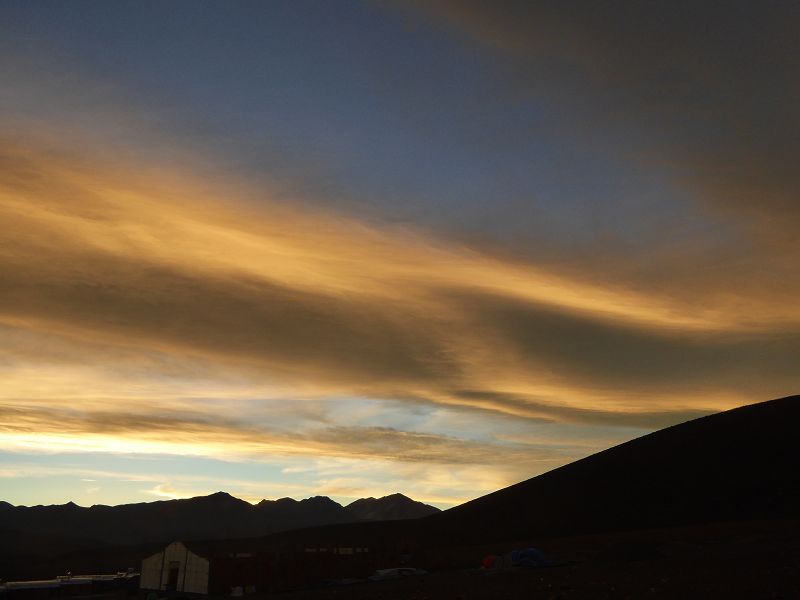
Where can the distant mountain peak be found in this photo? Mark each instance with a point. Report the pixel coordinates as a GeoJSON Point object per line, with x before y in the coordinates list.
{"type": "Point", "coordinates": [220, 495]}
{"type": "Point", "coordinates": [279, 502]}
{"type": "Point", "coordinates": [218, 499]}
{"type": "Point", "coordinates": [392, 507]}
{"type": "Point", "coordinates": [320, 500]}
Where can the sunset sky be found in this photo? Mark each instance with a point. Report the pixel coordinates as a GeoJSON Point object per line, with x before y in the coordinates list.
{"type": "Point", "coordinates": [296, 248]}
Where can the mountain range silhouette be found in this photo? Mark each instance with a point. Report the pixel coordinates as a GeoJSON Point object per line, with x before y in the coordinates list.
{"type": "Point", "coordinates": [728, 469]}
{"type": "Point", "coordinates": [216, 516]}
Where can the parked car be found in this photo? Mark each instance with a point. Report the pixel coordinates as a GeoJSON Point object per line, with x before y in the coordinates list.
{"type": "Point", "coordinates": [396, 573]}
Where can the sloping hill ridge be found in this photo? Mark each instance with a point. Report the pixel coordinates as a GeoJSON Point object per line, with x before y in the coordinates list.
{"type": "Point", "coordinates": [736, 465]}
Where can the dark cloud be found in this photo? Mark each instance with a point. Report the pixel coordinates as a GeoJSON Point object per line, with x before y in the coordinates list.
{"type": "Point", "coordinates": [254, 321]}
{"type": "Point", "coordinates": [551, 412]}
{"type": "Point", "coordinates": [618, 356]}
{"type": "Point", "coordinates": [710, 88]}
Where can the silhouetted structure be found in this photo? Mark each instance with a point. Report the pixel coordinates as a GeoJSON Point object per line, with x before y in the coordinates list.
{"type": "Point", "coordinates": [70, 586]}
{"type": "Point", "coordinates": [226, 568]}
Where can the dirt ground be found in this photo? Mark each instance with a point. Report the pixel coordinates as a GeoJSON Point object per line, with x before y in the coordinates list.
{"type": "Point", "coordinates": [757, 561]}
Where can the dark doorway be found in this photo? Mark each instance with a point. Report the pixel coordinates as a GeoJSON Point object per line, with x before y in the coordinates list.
{"type": "Point", "coordinates": [172, 581]}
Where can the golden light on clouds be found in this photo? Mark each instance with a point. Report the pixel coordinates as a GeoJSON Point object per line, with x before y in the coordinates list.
{"type": "Point", "coordinates": [434, 259]}
{"type": "Point", "coordinates": [126, 293]}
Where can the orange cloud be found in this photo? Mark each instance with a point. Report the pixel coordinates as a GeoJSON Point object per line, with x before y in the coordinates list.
{"type": "Point", "coordinates": [121, 284]}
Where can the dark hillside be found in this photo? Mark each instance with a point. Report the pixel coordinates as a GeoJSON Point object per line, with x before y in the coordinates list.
{"type": "Point", "coordinates": [736, 465]}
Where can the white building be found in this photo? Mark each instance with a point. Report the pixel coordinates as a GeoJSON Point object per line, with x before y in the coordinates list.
{"type": "Point", "coordinates": [175, 568]}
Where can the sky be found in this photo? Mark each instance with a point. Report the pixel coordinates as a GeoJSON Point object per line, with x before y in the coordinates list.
{"type": "Point", "coordinates": [298, 248]}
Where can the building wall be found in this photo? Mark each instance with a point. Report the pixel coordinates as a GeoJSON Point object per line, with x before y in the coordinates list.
{"type": "Point", "coordinates": [151, 571]}
{"type": "Point", "coordinates": [192, 570]}
{"type": "Point", "coordinates": [196, 579]}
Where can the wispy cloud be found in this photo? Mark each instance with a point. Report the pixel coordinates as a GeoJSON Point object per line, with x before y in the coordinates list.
{"type": "Point", "coordinates": [148, 272]}
{"type": "Point", "coordinates": [129, 296]}
{"type": "Point", "coordinates": [165, 490]}
{"type": "Point", "coordinates": [198, 310]}
{"type": "Point", "coordinates": [91, 431]}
